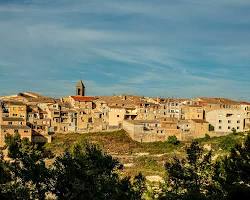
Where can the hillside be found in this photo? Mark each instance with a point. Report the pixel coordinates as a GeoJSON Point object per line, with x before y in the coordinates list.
{"type": "Point", "coordinates": [149, 158]}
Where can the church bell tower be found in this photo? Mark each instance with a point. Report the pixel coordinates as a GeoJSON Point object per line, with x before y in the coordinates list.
{"type": "Point", "coordinates": [80, 88]}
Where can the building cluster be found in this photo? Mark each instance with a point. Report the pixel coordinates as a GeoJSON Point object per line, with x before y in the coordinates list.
{"type": "Point", "coordinates": [146, 119]}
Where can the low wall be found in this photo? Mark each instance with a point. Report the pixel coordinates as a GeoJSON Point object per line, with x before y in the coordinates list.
{"type": "Point", "coordinates": [137, 133]}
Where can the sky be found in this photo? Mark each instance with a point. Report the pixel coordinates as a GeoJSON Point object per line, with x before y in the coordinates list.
{"type": "Point", "coordinates": [167, 48]}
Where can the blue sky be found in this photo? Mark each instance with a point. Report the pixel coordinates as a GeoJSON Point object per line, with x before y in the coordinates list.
{"type": "Point", "coordinates": [175, 48]}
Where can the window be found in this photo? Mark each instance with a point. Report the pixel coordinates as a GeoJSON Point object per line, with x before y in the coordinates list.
{"type": "Point", "coordinates": [238, 127]}
{"type": "Point", "coordinates": [118, 115]}
{"type": "Point", "coordinates": [219, 127]}
{"type": "Point", "coordinates": [10, 123]}
{"type": "Point", "coordinates": [228, 127]}
{"type": "Point", "coordinates": [229, 121]}
{"type": "Point", "coordinates": [220, 121]}
{"type": "Point", "coordinates": [238, 121]}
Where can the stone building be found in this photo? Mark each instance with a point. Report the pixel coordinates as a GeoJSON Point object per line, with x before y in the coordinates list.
{"type": "Point", "coordinates": [145, 130]}
{"type": "Point", "coordinates": [80, 88]}
{"type": "Point", "coordinates": [171, 107]}
{"type": "Point", "coordinates": [13, 120]}
{"type": "Point", "coordinates": [193, 128]}
{"type": "Point", "coordinates": [224, 120]}
{"type": "Point", "coordinates": [192, 112]}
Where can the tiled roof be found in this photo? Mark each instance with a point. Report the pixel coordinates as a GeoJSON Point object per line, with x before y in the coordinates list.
{"type": "Point", "coordinates": [14, 127]}
{"type": "Point", "coordinates": [12, 119]}
{"type": "Point", "coordinates": [143, 121]}
{"type": "Point", "coordinates": [245, 103]}
{"type": "Point", "coordinates": [123, 101]}
{"type": "Point", "coordinates": [83, 98]}
{"type": "Point", "coordinates": [173, 100]}
{"type": "Point", "coordinates": [217, 100]}
{"type": "Point", "coordinates": [18, 103]}
{"type": "Point", "coordinates": [199, 121]}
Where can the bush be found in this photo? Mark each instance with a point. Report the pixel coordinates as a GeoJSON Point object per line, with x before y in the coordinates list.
{"type": "Point", "coordinates": [211, 127]}
{"type": "Point", "coordinates": [234, 131]}
{"type": "Point", "coordinates": [173, 140]}
{"type": "Point", "coordinates": [207, 137]}
{"type": "Point", "coordinates": [227, 143]}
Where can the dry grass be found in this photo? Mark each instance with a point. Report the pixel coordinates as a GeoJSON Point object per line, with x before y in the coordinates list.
{"type": "Point", "coordinates": [148, 158]}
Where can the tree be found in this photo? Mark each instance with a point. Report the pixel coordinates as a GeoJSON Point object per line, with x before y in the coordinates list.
{"type": "Point", "coordinates": [191, 178]}
{"type": "Point", "coordinates": [233, 172]}
{"type": "Point", "coordinates": [88, 173]}
{"type": "Point", "coordinates": [210, 127]}
{"type": "Point", "coordinates": [28, 167]}
{"type": "Point", "coordinates": [5, 177]}
{"type": "Point", "coordinates": [173, 140]}
{"type": "Point", "coordinates": [139, 186]}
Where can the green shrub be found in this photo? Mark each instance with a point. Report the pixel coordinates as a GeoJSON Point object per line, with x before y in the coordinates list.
{"type": "Point", "coordinates": [228, 143]}
{"type": "Point", "coordinates": [207, 137]}
{"type": "Point", "coordinates": [234, 131]}
{"type": "Point", "coordinates": [173, 140]}
{"type": "Point", "coordinates": [211, 127]}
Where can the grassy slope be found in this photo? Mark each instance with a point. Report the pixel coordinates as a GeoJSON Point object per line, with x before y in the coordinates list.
{"type": "Point", "coordinates": [148, 158]}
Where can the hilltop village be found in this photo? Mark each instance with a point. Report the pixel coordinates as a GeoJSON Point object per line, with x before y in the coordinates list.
{"type": "Point", "coordinates": [145, 119]}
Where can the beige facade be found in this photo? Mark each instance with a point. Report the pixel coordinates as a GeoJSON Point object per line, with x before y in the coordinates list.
{"type": "Point", "coordinates": [170, 125]}
{"type": "Point", "coordinates": [192, 112]}
{"type": "Point", "coordinates": [171, 107]}
{"type": "Point", "coordinates": [116, 116]}
{"type": "Point", "coordinates": [193, 128]}
{"type": "Point", "coordinates": [13, 120]}
{"type": "Point", "coordinates": [155, 119]}
{"type": "Point", "coordinates": [224, 120]}
{"type": "Point", "coordinates": [245, 107]}
{"type": "Point", "coordinates": [145, 130]}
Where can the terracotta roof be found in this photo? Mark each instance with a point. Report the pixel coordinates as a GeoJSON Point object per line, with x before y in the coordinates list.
{"type": "Point", "coordinates": [245, 103]}
{"type": "Point", "coordinates": [83, 98]}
